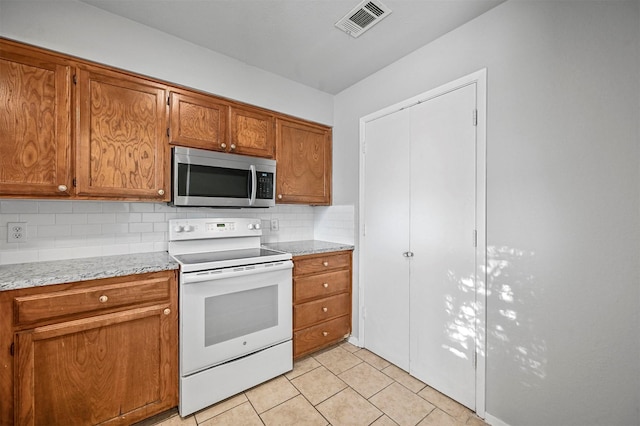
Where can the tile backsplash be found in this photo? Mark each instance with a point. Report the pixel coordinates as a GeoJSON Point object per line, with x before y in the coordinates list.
{"type": "Point", "coordinates": [73, 229]}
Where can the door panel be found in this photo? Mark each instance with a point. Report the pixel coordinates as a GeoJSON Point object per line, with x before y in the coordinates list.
{"type": "Point", "coordinates": [442, 284]}
{"type": "Point", "coordinates": [386, 207]}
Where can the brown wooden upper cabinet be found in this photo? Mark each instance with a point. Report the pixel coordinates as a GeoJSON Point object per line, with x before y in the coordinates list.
{"type": "Point", "coordinates": [121, 136]}
{"type": "Point", "coordinates": [35, 123]}
{"type": "Point", "coordinates": [198, 121]}
{"type": "Point", "coordinates": [252, 132]}
{"type": "Point", "coordinates": [303, 155]}
{"type": "Point", "coordinates": [208, 122]}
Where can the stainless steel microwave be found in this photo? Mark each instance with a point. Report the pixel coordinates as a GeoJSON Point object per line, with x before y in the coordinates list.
{"type": "Point", "coordinates": [204, 178]}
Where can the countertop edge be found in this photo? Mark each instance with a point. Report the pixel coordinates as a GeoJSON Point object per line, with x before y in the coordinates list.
{"type": "Point", "coordinates": [38, 274]}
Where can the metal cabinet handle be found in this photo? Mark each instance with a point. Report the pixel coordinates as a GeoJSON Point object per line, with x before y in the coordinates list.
{"type": "Point", "coordinates": [160, 191]}
{"type": "Point", "coordinates": [62, 188]}
{"type": "Point", "coordinates": [325, 333]}
{"type": "Point", "coordinates": [233, 146]}
{"type": "Point", "coordinates": [103, 298]}
{"type": "Point", "coordinates": [325, 285]}
{"type": "Point", "coordinates": [279, 196]}
{"type": "Point", "coordinates": [166, 311]}
{"type": "Point", "coordinates": [324, 309]}
{"type": "Point", "coordinates": [325, 263]}
{"type": "Point", "coordinates": [223, 145]}
{"type": "Point", "coordinates": [408, 254]}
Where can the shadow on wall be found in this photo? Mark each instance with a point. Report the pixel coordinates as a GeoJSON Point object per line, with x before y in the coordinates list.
{"type": "Point", "coordinates": [513, 335]}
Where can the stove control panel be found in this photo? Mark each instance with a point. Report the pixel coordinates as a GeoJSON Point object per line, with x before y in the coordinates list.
{"type": "Point", "coordinates": [207, 228]}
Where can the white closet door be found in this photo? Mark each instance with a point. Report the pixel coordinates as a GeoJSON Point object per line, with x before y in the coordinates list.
{"type": "Point", "coordinates": [386, 236]}
{"type": "Point", "coordinates": [443, 162]}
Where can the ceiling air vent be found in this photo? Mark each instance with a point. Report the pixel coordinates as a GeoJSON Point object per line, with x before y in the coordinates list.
{"type": "Point", "coordinates": [362, 17]}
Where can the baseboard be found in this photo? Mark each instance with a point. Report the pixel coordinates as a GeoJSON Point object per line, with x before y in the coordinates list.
{"type": "Point", "coordinates": [494, 421]}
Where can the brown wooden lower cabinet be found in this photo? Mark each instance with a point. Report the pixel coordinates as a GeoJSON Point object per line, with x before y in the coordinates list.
{"type": "Point", "coordinates": [112, 360]}
{"type": "Point", "coordinates": [321, 301]}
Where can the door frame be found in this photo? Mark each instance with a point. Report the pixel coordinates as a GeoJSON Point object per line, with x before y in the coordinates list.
{"type": "Point", "coordinates": [479, 78]}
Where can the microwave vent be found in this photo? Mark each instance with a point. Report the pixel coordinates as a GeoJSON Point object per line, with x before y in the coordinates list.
{"type": "Point", "coordinates": [363, 17]}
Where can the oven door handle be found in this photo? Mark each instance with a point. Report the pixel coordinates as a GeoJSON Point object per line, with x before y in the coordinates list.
{"type": "Point", "coordinates": [254, 184]}
{"type": "Point", "coordinates": [218, 274]}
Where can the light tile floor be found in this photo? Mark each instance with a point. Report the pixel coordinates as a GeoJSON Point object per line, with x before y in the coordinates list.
{"type": "Point", "coordinates": [343, 385]}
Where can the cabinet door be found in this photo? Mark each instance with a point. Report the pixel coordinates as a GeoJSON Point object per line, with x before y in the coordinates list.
{"type": "Point", "coordinates": [252, 133]}
{"type": "Point", "coordinates": [114, 367]}
{"type": "Point", "coordinates": [122, 143]}
{"type": "Point", "coordinates": [303, 155]}
{"type": "Point", "coordinates": [35, 131]}
{"type": "Point", "coordinates": [198, 121]}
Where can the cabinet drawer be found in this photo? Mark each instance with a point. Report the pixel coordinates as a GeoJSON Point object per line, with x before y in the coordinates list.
{"type": "Point", "coordinates": [321, 263]}
{"type": "Point", "coordinates": [321, 285]}
{"type": "Point", "coordinates": [312, 338]}
{"type": "Point", "coordinates": [310, 313]}
{"type": "Point", "coordinates": [49, 306]}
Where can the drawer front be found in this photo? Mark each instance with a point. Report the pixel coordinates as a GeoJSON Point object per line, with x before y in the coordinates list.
{"type": "Point", "coordinates": [49, 306]}
{"type": "Point", "coordinates": [310, 339]}
{"type": "Point", "coordinates": [321, 285]}
{"type": "Point", "coordinates": [321, 263]}
{"type": "Point", "coordinates": [314, 312]}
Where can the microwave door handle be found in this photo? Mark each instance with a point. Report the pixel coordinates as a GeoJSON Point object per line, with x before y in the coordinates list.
{"type": "Point", "coordinates": [254, 184]}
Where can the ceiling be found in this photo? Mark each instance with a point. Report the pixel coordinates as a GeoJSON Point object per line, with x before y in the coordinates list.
{"type": "Point", "coordinates": [297, 39]}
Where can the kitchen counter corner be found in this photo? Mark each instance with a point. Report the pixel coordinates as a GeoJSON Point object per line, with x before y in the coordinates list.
{"type": "Point", "coordinates": [300, 248]}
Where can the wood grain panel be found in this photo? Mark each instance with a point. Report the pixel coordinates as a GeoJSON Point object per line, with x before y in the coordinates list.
{"type": "Point", "coordinates": [39, 307]}
{"type": "Point", "coordinates": [310, 313]}
{"type": "Point", "coordinates": [321, 285]}
{"type": "Point", "coordinates": [35, 130]}
{"type": "Point", "coordinates": [93, 360]}
{"type": "Point", "coordinates": [311, 339]}
{"type": "Point", "coordinates": [121, 148]}
{"type": "Point", "coordinates": [322, 262]}
{"type": "Point", "coordinates": [252, 133]}
{"type": "Point", "coordinates": [198, 121]}
{"type": "Point", "coordinates": [303, 155]}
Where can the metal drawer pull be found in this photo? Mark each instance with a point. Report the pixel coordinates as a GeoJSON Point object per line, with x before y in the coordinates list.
{"type": "Point", "coordinates": [325, 263]}
{"type": "Point", "coordinates": [325, 333]}
{"type": "Point", "coordinates": [324, 309]}
{"type": "Point", "coordinates": [103, 298]}
{"type": "Point", "coordinates": [325, 285]}
{"type": "Point", "coordinates": [166, 311]}
{"type": "Point", "coordinates": [62, 188]}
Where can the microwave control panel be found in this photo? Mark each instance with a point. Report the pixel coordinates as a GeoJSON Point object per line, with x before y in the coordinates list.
{"type": "Point", "coordinates": [264, 191]}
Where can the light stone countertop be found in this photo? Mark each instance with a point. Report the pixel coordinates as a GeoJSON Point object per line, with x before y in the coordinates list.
{"type": "Point", "coordinates": [34, 274]}
{"type": "Point", "coordinates": [299, 248]}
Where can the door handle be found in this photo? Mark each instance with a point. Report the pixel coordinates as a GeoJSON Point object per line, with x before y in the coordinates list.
{"type": "Point", "coordinates": [408, 254]}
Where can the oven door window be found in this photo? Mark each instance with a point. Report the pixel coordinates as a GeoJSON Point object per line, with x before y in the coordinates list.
{"type": "Point", "coordinates": [234, 315]}
{"type": "Point", "coordinates": [208, 181]}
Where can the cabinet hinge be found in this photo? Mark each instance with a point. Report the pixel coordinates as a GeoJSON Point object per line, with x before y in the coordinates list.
{"type": "Point", "coordinates": [475, 117]}
{"type": "Point", "coordinates": [168, 100]}
{"type": "Point", "coordinates": [12, 348]}
{"type": "Point", "coordinates": [75, 79]}
{"type": "Point", "coordinates": [475, 360]}
{"type": "Point", "coordinates": [475, 238]}
{"type": "Point", "coordinates": [75, 182]}
{"type": "Point", "coordinates": [168, 133]}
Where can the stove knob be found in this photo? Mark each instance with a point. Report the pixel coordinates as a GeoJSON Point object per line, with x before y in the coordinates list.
{"type": "Point", "coordinates": [188, 228]}
{"type": "Point", "coordinates": [257, 226]}
{"type": "Point", "coordinates": [178, 228]}
{"type": "Point", "coordinates": [251, 226]}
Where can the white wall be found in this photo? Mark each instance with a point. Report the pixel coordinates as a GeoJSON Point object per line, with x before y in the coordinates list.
{"type": "Point", "coordinates": [78, 29]}
{"type": "Point", "coordinates": [61, 230]}
{"type": "Point", "coordinates": [563, 211]}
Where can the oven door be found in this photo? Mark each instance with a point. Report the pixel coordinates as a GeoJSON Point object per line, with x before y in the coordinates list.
{"type": "Point", "coordinates": [228, 313]}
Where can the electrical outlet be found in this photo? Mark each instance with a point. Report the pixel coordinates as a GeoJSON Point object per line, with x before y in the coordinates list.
{"type": "Point", "coordinates": [275, 225]}
{"type": "Point", "coordinates": [16, 232]}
